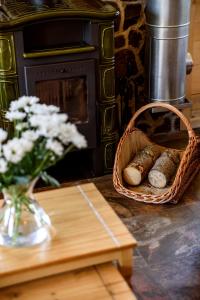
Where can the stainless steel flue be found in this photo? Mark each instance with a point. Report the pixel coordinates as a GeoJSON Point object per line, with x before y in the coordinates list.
{"type": "Point", "coordinates": [167, 24]}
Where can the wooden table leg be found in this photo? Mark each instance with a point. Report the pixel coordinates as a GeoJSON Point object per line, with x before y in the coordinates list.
{"type": "Point", "coordinates": [126, 263]}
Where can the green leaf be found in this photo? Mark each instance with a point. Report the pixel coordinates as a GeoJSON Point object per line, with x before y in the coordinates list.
{"type": "Point", "coordinates": [49, 179]}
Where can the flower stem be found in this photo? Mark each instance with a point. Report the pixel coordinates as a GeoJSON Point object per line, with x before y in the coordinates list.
{"type": "Point", "coordinates": [40, 167]}
{"type": "Point", "coordinates": [17, 218]}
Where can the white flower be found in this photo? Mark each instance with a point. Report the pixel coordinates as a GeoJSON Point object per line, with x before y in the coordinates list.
{"type": "Point", "coordinates": [26, 144]}
{"type": "Point", "coordinates": [37, 122]}
{"type": "Point", "coordinates": [32, 99]}
{"type": "Point", "coordinates": [23, 102]}
{"type": "Point", "coordinates": [69, 134]}
{"type": "Point", "coordinates": [42, 109]}
{"type": "Point", "coordinates": [21, 126]}
{"type": "Point", "coordinates": [54, 109]}
{"type": "Point", "coordinates": [47, 120]}
{"type": "Point", "coordinates": [55, 147]}
{"type": "Point", "coordinates": [67, 131]}
{"type": "Point", "coordinates": [44, 125]}
{"type": "Point", "coordinates": [3, 165]}
{"type": "Point", "coordinates": [48, 125]}
{"type": "Point", "coordinates": [30, 135]}
{"type": "Point", "coordinates": [79, 140]}
{"type": "Point", "coordinates": [3, 135]}
{"type": "Point", "coordinates": [15, 115]}
{"type": "Point", "coordinates": [15, 149]}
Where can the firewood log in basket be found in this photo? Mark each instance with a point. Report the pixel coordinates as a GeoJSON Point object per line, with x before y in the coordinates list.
{"type": "Point", "coordinates": [164, 168]}
{"type": "Point", "coordinates": [139, 167]}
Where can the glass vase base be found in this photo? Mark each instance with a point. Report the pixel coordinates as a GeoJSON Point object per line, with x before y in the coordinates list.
{"type": "Point", "coordinates": [32, 239]}
{"type": "Point", "coordinates": [28, 227]}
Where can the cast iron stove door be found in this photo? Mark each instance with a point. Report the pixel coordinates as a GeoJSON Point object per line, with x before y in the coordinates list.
{"type": "Point", "coordinates": [71, 86]}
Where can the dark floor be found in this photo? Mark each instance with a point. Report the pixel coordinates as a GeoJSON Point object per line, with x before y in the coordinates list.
{"type": "Point", "coordinates": [166, 263]}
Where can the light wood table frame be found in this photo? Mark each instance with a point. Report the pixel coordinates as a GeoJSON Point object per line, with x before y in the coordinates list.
{"type": "Point", "coordinates": [101, 282]}
{"type": "Point", "coordinates": [87, 232]}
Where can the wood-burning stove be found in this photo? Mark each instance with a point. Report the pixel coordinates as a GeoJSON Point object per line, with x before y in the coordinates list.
{"type": "Point", "coordinates": [62, 51]}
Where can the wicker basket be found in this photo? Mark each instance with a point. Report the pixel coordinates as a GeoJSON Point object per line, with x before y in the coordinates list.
{"type": "Point", "coordinates": [134, 140]}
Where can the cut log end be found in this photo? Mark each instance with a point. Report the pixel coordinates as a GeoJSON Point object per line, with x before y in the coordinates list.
{"type": "Point", "coordinates": [164, 168]}
{"type": "Point", "coordinates": [139, 167]}
{"type": "Point", "coordinates": [157, 179]}
{"type": "Point", "coordinates": [132, 176]}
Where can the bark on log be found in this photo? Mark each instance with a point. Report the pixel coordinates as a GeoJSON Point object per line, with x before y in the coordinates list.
{"type": "Point", "coordinates": [143, 161]}
{"type": "Point", "coordinates": [164, 168]}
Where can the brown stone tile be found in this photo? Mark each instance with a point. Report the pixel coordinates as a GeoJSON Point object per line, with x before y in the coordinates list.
{"type": "Point", "coordinates": [143, 284]}
{"type": "Point", "coordinates": [181, 277]}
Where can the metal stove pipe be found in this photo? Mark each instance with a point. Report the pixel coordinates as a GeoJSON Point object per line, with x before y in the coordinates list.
{"type": "Point", "coordinates": [167, 24]}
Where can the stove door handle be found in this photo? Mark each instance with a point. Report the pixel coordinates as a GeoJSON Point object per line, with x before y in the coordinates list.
{"type": "Point", "coordinates": [56, 52]}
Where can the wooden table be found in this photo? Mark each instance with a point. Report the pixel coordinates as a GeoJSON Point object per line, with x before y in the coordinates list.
{"type": "Point", "coordinates": [102, 282]}
{"type": "Point", "coordinates": [87, 232]}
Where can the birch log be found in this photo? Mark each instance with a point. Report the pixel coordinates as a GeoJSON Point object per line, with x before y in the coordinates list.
{"type": "Point", "coordinates": [164, 168]}
{"type": "Point", "coordinates": [143, 161]}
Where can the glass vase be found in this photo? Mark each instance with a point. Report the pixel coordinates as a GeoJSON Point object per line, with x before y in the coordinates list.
{"type": "Point", "coordinates": [23, 222]}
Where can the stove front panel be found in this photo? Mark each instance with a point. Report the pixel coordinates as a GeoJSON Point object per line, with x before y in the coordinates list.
{"type": "Point", "coordinates": [71, 86]}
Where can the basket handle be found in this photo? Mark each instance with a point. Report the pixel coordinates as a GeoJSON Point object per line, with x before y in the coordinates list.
{"type": "Point", "coordinates": [164, 105]}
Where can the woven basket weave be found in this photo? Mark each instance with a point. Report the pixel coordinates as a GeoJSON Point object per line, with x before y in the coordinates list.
{"type": "Point", "coordinates": [134, 140]}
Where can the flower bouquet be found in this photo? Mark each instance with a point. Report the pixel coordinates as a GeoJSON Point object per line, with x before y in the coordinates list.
{"type": "Point", "coordinates": [41, 137]}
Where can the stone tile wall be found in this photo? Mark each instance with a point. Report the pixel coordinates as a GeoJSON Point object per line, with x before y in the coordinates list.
{"type": "Point", "coordinates": [129, 66]}
{"type": "Point", "coordinates": [129, 56]}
